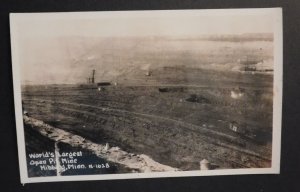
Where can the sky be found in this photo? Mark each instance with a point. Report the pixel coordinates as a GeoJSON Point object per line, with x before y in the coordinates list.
{"type": "Point", "coordinates": [39, 36]}
{"type": "Point", "coordinates": [148, 23]}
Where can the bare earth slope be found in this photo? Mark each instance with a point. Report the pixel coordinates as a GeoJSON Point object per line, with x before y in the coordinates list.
{"type": "Point", "coordinates": [177, 123]}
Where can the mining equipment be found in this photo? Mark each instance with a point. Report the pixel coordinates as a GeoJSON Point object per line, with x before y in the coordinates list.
{"type": "Point", "coordinates": [90, 81]}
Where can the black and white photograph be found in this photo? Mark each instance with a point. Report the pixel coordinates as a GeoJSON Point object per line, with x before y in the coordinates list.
{"type": "Point", "coordinates": [142, 94]}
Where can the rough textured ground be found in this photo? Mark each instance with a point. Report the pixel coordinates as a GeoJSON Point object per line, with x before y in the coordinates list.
{"type": "Point", "coordinates": [177, 124]}
{"type": "Point", "coordinates": [133, 162]}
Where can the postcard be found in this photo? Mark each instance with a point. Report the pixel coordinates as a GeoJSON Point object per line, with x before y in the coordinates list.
{"type": "Point", "coordinates": [146, 94]}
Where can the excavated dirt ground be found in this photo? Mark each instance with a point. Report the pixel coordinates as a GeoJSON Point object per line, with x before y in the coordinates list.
{"type": "Point", "coordinates": [175, 126]}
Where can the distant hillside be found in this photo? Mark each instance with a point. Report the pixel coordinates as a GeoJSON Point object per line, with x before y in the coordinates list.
{"type": "Point", "coordinates": [71, 59]}
{"type": "Point", "coordinates": [236, 38]}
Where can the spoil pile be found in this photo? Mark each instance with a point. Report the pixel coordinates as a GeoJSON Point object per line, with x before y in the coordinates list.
{"type": "Point", "coordinates": [139, 163]}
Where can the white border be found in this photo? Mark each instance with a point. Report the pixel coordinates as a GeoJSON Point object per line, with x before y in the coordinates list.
{"type": "Point", "coordinates": [277, 102]}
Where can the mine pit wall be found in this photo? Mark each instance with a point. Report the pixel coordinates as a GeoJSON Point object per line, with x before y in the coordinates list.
{"type": "Point", "coordinates": [36, 143]}
{"type": "Point", "coordinates": [170, 144]}
{"type": "Point", "coordinates": [40, 134]}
